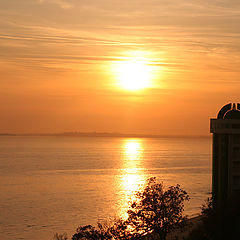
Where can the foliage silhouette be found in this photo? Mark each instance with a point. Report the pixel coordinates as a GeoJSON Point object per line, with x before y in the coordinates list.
{"type": "Point", "coordinates": [217, 224]}
{"type": "Point", "coordinates": [58, 236]}
{"type": "Point", "coordinates": [221, 223]}
{"type": "Point", "coordinates": [153, 214]}
{"type": "Point", "coordinates": [157, 211]}
{"type": "Point", "coordinates": [210, 219]}
{"type": "Point", "coordinates": [90, 232]}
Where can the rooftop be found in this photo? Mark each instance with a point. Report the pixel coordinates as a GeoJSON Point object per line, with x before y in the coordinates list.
{"type": "Point", "coordinates": [230, 111]}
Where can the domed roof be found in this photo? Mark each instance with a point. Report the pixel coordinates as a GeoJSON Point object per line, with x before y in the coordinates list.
{"type": "Point", "coordinates": [230, 111]}
{"type": "Point", "coordinates": [223, 110]}
{"type": "Point", "coordinates": [232, 114]}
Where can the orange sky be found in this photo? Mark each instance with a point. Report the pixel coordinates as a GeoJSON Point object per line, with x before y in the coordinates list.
{"type": "Point", "coordinates": [57, 61]}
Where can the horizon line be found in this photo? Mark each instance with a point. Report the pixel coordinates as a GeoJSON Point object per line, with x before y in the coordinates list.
{"type": "Point", "coordinates": [102, 134]}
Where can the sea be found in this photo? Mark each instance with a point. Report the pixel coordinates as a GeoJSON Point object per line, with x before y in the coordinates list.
{"type": "Point", "coordinates": [53, 184]}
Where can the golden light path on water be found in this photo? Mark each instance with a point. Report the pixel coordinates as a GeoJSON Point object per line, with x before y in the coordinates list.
{"type": "Point", "coordinates": [132, 172]}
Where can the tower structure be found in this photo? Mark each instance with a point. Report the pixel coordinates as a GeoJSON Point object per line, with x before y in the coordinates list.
{"type": "Point", "coordinates": [226, 156]}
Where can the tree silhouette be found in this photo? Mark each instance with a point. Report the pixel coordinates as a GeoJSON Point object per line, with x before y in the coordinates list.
{"type": "Point", "coordinates": [90, 232]}
{"type": "Point", "coordinates": [157, 211]}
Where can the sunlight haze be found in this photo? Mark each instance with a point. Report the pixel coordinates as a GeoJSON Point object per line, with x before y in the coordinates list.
{"type": "Point", "coordinates": [155, 67]}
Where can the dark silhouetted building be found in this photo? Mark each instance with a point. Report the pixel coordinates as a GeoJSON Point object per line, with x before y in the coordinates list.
{"type": "Point", "coordinates": [226, 156]}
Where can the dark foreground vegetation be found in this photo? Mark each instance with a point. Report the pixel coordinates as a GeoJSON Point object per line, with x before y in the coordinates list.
{"type": "Point", "coordinates": [153, 215]}
{"type": "Point", "coordinates": [157, 214]}
{"type": "Point", "coordinates": [221, 224]}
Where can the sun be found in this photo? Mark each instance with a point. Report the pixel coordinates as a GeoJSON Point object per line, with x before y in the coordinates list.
{"type": "Point", "coordinates": [134, 75]}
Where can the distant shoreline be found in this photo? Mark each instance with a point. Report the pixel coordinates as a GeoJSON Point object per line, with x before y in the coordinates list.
{"type": "Point", "coordinates": [104, 134]}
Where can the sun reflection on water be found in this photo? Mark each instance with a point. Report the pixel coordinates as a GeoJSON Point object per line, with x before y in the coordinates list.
{"type": "Point", "coordinates": [132, 176]}
{"type": "Point", "coordinates": [132, 151]}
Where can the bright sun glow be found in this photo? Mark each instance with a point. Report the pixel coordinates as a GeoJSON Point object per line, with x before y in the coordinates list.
{"type": "Point", "coordinates": [134, 75]}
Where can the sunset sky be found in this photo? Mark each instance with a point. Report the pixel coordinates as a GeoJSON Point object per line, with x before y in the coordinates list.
{"type": "Point", "coordinates": [76, 65]}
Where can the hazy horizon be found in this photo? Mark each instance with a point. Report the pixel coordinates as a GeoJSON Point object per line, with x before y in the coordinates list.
{"type": "Point", "coordinates": [104, 134]}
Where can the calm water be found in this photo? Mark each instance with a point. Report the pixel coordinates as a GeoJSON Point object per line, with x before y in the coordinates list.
{"type": "Point", "coordinates": [54, 184]}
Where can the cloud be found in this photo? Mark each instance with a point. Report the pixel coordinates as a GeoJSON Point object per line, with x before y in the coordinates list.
{"type": "Point", "coordinates": [61, 3]}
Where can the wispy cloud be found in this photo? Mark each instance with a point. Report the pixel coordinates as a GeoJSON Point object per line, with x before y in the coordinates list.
{"type": "Point", "coordinates": [61, 3]}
